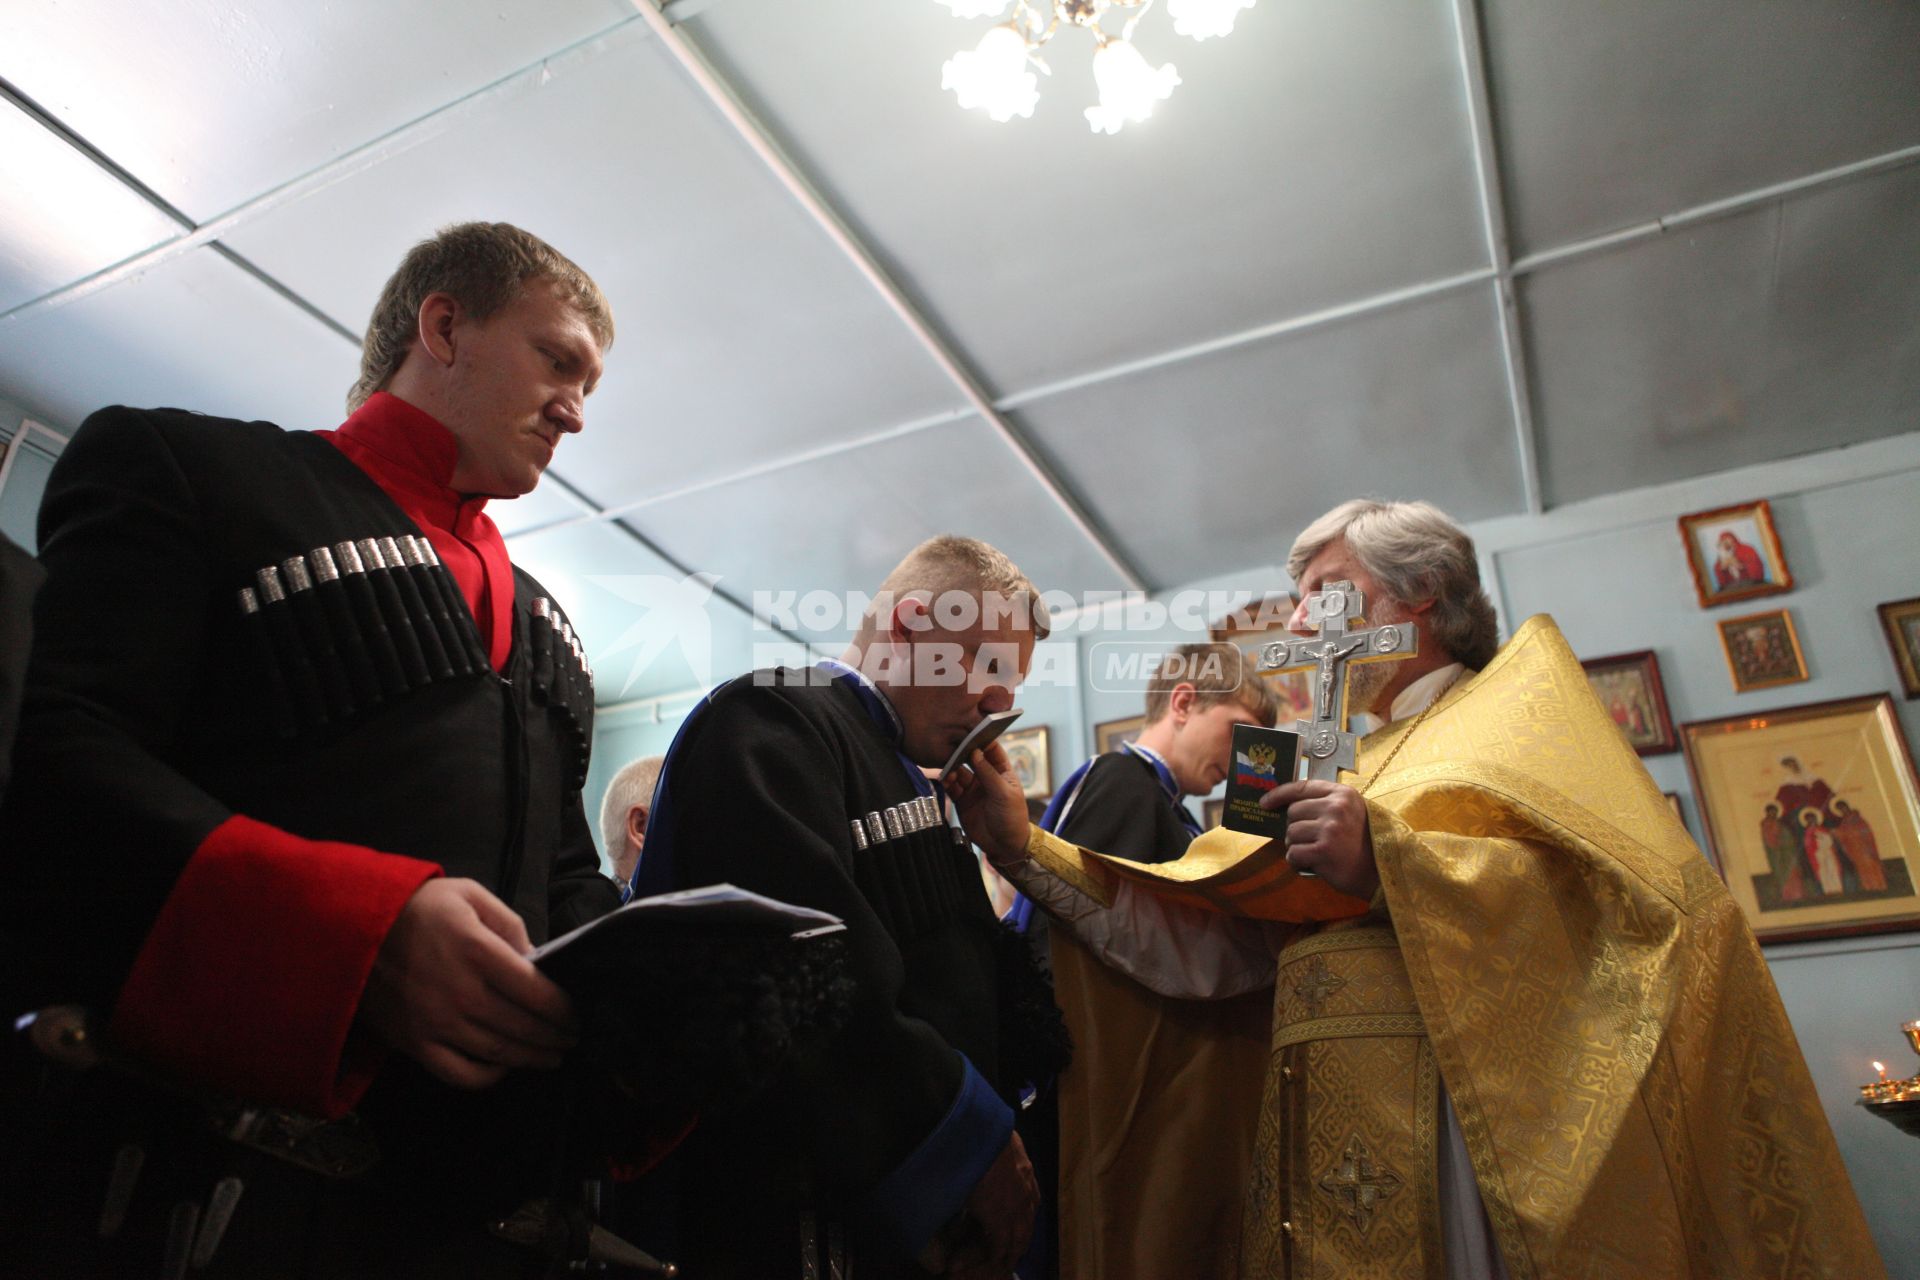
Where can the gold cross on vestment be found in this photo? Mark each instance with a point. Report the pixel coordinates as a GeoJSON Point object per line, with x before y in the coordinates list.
{"type": "Point", "coordinates": [1357, 1185]}
{"type": "Point", "coordinates": [1315, 983]}
{"type": "Point", "coordinates": [1325, 741]}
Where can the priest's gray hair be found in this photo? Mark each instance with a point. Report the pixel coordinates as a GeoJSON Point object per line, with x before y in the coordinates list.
{"type": "Point", "coordinates": [1416, 553]}
{"type": "Point", "coordinates": [631, 786]}
{"type": "Point", "coordinates": [953, 565]}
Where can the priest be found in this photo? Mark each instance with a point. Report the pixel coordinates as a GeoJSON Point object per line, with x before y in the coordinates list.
{"type": "Point", "coordinates": [1519, 1027]}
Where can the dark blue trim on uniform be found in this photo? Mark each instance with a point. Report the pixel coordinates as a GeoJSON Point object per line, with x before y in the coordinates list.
{"type": "Point", "coordinates": [1020, 914]}
{"type": "Point", "coordinates": [930, 1187]}
{"type": "Point", "coordinates": [881, 711]}
{"type": "Point", "coordinates": [1056, 810]}
{"type": "Point", "coordinates": [1167, 784]}
{"type": "Point", "coordinates": [654, 874]}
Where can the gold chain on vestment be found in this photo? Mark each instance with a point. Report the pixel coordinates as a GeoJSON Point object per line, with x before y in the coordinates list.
{"type": "Point", "coordinates": [1417, 722]}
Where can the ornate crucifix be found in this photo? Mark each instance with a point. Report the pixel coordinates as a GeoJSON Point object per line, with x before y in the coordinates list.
{"type": "Point", "coordinates": [1324, 739]}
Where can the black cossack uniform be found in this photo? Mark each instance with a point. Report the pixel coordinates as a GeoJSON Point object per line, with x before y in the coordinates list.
{"type": "Point", "coordinates": [358, 707]}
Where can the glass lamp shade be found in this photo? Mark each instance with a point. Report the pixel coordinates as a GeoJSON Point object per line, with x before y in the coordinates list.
{"type": "Point", "coordinates": [1128, 86]}
{"type": "Point", "coordinates": [994, 75]}
{"type": "Point", "coordinates": [1204, 18]}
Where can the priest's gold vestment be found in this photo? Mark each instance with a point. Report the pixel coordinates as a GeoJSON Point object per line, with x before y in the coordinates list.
{"type": "Point", "coordinates": [1549, 943]}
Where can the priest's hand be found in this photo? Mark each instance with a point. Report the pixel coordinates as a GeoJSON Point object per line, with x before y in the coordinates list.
{"type": "Point", "coordinates": [987, 796]}
{"type": "Point", "coordinates": [453, 988]}
{"type": "Point", "coordinates": [999, 1215]}
{"type": "Point", "coordinates": [1327, 834]}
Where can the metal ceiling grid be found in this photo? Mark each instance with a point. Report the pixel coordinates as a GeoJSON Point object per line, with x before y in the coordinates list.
{"type": "Point", "coordinates": [840, 523]}
{"type": "Point", "coordinates": [195, 332]}
{"type": "Point", "coordinates": [741, 329]}
{"type": "Point", "coordinates": [1225, 294]}
{"type": "Point", "coordinates": [212, 103]}
{"type": "Point", "coordinates": [1319, 155]}
{"type": "Point", "coordinates": [1612, 115]}
{"type": "Point", "coordinates": [1253, 442]}
{"type": "Point", "coordinates": [1788, 327]}
{"type": "Point", "coordinates": [73, 221]}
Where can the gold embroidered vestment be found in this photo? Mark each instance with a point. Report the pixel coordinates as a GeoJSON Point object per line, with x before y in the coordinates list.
{"type": "Point", "coordinates": [1550, 944]}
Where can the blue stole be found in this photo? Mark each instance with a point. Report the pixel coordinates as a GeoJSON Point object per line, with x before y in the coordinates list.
{"type": "Point", "coordinates": [880, 710]}
{"type": "Point", "coordinates": [1020, 914]}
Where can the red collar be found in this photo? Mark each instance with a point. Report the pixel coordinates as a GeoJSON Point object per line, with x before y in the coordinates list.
{"type": "Point", "coordinates": [407, 449]}
{"type": "Point", "coordinates": [411, 455]}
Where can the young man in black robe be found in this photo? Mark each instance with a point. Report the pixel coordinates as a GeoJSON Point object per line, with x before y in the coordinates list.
{"type": "Point", "coordinates": [1132, 803]}
{"type": "Point", "coordinates": [298, 785]}
{"type": "Point", "coordinates": [892, 1140]}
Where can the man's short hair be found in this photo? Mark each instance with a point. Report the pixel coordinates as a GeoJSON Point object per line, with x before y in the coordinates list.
{"type": "Point", "coordinates": [1219, 672]}
{"type": "Point", "coordinates": [483, 266]}
{"type": "Point", "coordinates": [950, 563]}
{"type": "Point", "coordinates": [1416, 553]}
{"type": "Point", "coordinates": [631, 786]}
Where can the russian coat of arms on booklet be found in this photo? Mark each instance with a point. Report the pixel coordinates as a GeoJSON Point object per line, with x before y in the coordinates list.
{"type": "Point", "coordinates": [1262, 760]}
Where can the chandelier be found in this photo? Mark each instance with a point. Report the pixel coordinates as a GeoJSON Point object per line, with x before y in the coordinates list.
{"type": "Point", "coordinates": [995, 76]}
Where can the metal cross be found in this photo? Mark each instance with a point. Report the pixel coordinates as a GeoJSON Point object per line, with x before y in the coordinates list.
{"type": "Point", "coordinates": [1325, 741]}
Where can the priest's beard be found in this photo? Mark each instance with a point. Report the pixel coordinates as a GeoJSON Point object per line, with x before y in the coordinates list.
{"type": "Point", "coordinates": [1365, 683]}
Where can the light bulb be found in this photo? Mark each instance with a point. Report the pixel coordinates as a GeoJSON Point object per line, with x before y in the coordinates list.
{"type": "Point", "coordinates": [982, 8]}
{"type": "Point", "coordinates": [1128, 86]}
{"type": "Point", "coordinates": [994, 75]}
{"type": "Point", "coordinates": [1203, 18]}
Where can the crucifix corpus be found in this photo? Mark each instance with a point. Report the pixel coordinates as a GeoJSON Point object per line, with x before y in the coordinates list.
{"type": "Point", "coordinates": [1324, 740]}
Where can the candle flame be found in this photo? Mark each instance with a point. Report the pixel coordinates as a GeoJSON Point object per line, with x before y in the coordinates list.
{"type": "Point", "coordinates": [1881, 1067]}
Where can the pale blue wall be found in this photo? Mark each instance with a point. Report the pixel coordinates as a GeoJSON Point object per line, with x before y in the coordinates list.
{"type": "Point", "coordinates": [26, 477]}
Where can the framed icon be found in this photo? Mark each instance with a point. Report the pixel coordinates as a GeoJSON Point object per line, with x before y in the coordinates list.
{"type": "Point", "coordinates": [1114, 734]}
{"type": "Point", "coordinates": [1027, 751]}
{"type": "Point", "coordinates": [1763, 650]}
{"type": "Point", "coordinates": [1628, 686]}
{"type": "Point", "coordinates": [1901, 618]}
{"type": "Point", "coordinates": [1735, 553]}
{"type": "Point", "coordinates": [1812, 815]}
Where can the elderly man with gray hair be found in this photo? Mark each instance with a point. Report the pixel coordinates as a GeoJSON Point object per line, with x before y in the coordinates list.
{"type": "Point", "coordinates": [623, 815]}
{"type": "Point", "coordinates": [1519, 1026]}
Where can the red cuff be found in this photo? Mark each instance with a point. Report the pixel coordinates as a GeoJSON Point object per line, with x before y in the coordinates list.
{"type": "Point", "coordinates": [253, 972]}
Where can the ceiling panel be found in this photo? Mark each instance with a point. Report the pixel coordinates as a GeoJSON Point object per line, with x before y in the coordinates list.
{"type": "Point", "coordinates": [211, 103]}
{"type": "Point", "coordinates": [1613, 114]}
{"type": "Point", "coordinates": [1788, 329]}
{"type": "Point", "coordinates": [1319, 152]}
{"type": "Point", "coordinates": [1217, 462]}
{"type": "Point", "coordinates": [648, 628]}
{"type": "Point", "coordinates": [61, 216]}
{"type": "Point", "coordinates": [743, 333]}
{"type": "Point", "coordinates": [840, 524]}
{"type": "Point", "coordinates": [195, 332]}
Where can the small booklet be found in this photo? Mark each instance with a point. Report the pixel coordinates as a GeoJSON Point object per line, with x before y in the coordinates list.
{"type": "Point", "coordinates": [980, 735]}
{"type": "Point", "coordinates": [1262, 760]}
{"type": "Point", "coordinates": [715, 906]}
